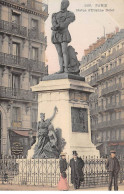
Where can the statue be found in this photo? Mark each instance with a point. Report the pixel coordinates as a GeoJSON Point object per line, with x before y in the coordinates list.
{"type": "Point", "coordinates": [42, 133]}
{"type": "Point", "coordinates": [61, 37]}
{"type": "Point", "coordinates": [49, 143]}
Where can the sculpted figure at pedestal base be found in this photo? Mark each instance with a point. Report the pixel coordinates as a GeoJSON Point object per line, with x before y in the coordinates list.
{"type": "Point", "coordinates": [44, 135]}
{"type": "Point", "coordinates": [49, 142]}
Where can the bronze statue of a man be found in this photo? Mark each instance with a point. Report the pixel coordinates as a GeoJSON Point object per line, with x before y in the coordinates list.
{"type": "Point", "coordinates": [60, 34]}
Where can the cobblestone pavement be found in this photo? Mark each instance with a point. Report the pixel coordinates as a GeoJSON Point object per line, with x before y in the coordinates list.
{"type": "Point", "coordinates": [41, 188]}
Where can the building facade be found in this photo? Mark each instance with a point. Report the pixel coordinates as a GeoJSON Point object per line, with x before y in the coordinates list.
{"type": "Point", "coordinates": [103, 67]}
{"type": "Point", "coordinates": [22, 65]}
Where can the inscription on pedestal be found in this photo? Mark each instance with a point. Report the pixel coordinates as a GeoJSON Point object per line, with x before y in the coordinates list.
{"type": "Point", "coordinates": [79, 118]}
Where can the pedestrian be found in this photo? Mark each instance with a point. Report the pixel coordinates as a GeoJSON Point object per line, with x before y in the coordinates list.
{"type": "Point", "coordinates": [113, 168]}
{"type": "Point", "coordinates": [63, 184]}
{"type": "Point", "coordinates": [77, 176]}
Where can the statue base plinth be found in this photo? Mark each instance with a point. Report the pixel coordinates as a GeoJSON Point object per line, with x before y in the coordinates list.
{"type": "Point", "coordinates": [70, 94]}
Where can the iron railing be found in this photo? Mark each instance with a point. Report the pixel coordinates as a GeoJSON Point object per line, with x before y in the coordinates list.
{"type": "Point", "coordinates": [18, 94]}
{"type": "Point", "coordinates": [45, 172]}
{"type": "Point", "coordinates": [111, 57]}
{"type": "Point", "coordinates": [16, 29]}
{"type": "Point", "coordinates": [111, 89]}
{"type": "Point", "coordinates": [22, 63]}
{"type": "Point", "coordinates": [111, 106]}
{"type": "Point", "coordinates": [34, 34]}
{"type": "Point", "coordinates": [110, 124]}
{"type": "Point", "coordinates": [13, 28]}
{"type": "Point", "coordinates": [41, 7]}
{"type": "Point", "coordinates": [111, 72]}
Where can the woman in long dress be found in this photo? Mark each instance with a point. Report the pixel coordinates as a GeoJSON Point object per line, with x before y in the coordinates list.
{"type": "Point", "coordinates": [63, 184]}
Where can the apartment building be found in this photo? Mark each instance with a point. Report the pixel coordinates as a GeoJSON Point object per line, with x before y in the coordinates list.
{"type": "Point", "coordinates": [103, 67]}
{"type": "Point", "coordinates": [22, 65]}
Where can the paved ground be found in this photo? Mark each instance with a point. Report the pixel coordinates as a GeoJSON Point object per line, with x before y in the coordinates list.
{"type": "Point", "coordinates": [40, 188]}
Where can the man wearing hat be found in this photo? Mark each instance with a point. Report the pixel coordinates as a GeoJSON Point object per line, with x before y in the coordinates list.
{"type": "Point", "coordinates": [76, 165]}
{"type": "Point", "coordinates": [113, 168]}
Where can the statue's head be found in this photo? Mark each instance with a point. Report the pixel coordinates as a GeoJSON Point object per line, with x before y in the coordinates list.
{"type": "Point", "coordinates": [51, 128]}
{"type": "Point", "coordinates": [64, 4]}
{"type": "Point", "coordinates": [42, 116]}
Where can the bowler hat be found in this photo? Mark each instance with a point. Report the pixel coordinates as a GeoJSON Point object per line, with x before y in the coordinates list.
{"type": "Point", "coordinates": [75, 153]}
{"type": "Point", "coordinates": [62, 154]}
{"type": "Point", "coordinates": [112, 151]}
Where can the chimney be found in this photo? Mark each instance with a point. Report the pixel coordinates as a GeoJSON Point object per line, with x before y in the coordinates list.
{"type": "Point", "coordinates": [116, 29]}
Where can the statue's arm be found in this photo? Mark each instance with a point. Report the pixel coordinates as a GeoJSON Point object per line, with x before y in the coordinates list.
{"type": "Point", "coordinates": [55, 25]}
{"type": "Point", "coordinates": [55, 110]}
{"type": "Point", "coordinates": [70, 18]}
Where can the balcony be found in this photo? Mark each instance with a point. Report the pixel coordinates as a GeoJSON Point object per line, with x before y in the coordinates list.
{"type": "Point", "coordinates": [93, 82]}
{"type": "Point", "coordinates": [18, 30]}
{"type": "Point", "coordinates": [111, 57]}
{"type": "Point", "coordinates": [111, 124]}
{"type": "Point", "coordinates": [12, 28]}
{"type": "Point", "coordinates": [111, 89]}
{"type": "Point", "coordinates": [111, 72]}
{"type": "Point", "coordinates": [89, 70]}
{"type": "Point", "coordinates": [17, 94]}
{"type": "Point", "coordinates": [40, 7]}
{"type": "Point", "coordinates": [111, 106]}
{"type": "Point", "coordinates": [22, 63]}
{"type": "Point", "coordinates": [35, 35]}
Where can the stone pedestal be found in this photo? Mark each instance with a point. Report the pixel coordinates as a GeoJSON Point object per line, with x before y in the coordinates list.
{"type": "Point", "coordinates": [70, 94]}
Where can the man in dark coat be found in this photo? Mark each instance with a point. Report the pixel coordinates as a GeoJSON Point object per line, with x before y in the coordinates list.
{"type": "Point", "coordinates": [76, 165]}
{"type": "Point", "coordinates": [113, 168]}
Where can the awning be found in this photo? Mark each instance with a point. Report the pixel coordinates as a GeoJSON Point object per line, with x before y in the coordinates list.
{"type": "Point", "coordinates": [25, 133]}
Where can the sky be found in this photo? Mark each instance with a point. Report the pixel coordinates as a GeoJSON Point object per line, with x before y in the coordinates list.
{"type": "Point", "coordinates": [85, 30]}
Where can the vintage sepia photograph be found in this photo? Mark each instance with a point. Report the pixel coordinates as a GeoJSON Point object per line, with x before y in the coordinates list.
{"type": "Point", "coordinates": [61, 95]}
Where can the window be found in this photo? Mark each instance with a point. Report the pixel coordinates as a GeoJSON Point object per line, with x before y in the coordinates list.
{"type": "Point", "coordinates": [110, 65]}
{"type": "Point", "coordinates": [16, 114]}
{"type": "Point", "coordinates": [15, 81]}
{"type": "Point", "coordinates": [34, 24]}
{"type": "Point", "coordinates": [35, 81]}
{"type": "Point", "coordinates": [102, 70]}
{"type": "Point", "coordinates": [34, 53]}
{"type": "Point", "coordinates": [119, 80]}
{"type": "Point", "coordinates": [15, 18]}
{"type": "Point", "coordinates": [120, 61]}
{"type": "Point", "coordinates": [16, 49]}
{"type": "Point", "coordinates": [34, 119]}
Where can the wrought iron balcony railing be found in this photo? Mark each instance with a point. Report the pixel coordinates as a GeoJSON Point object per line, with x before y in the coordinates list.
{"type": "Point", "coordinates": [111, 89]}
{"type": "Point", "coordinates": [13, 28]}
{"type": "Point", "coordinates": [111, 106]}
{"type": "Point", "coordinates": [22, 63]}
{"type": "Point", "coordinates": [89, 70]}
{"type": "Point", "coordinates": [40, 7]}
{"type": "Point", "coordinates": [34, 34]}
{"type": "Point", "coordinates": [93, 82]}
{"type": "Point", "coordinates": [110, 124]}
{"type": "Point", "coordinates": [18, 30]}
{"type": "Point", "coordinates": [110, 72]}
{"type": "Point", "coordinates": [114, 55]}
{"type": "Point", "coordinates": [17, 94]}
